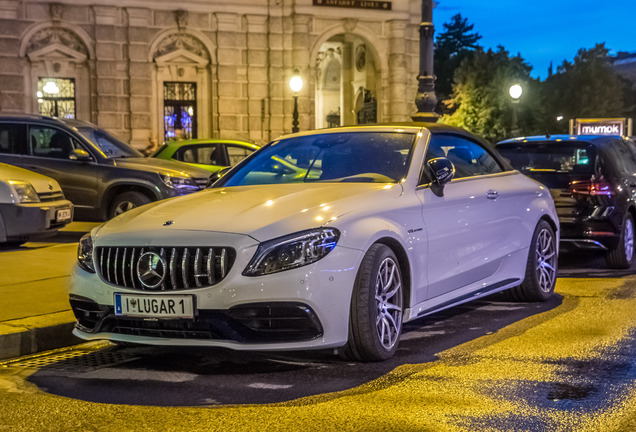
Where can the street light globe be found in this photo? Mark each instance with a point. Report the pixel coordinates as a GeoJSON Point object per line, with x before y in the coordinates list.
{"type": "Point", "coordinates": [296, 82]}
{"type": "Point", "coordinates": [515, 91]}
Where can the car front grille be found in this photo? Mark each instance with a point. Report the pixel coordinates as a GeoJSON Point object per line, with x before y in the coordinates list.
{"type": "Point", "coordinates": [51, 196]}
{"type": "Point", "coordinates": [167, 268]}
{"type": "Point", "coordinates": [201, 182]}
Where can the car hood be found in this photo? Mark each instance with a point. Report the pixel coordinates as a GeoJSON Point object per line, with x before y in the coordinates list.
{"type": "Point", "coordinates": [262, 212]}
{"type": "Point", "coordinates": [40, 183]}
{"type": "Point", "coordinates": [160, 165]}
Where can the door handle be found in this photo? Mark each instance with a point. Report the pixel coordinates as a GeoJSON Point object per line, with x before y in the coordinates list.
{"type": "Point", "coordinates": [492, 194]}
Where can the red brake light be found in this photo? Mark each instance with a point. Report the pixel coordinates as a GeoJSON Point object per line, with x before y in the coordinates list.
{"type": "Point", "coordinates": [591, 187]}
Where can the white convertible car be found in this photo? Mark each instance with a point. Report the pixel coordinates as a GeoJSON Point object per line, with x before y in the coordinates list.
{"type": "Point", "coordinates": [331, 238]}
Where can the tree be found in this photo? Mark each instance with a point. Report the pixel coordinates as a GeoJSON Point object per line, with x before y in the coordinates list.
{"type": "Point", "coordinates": [481, 100]}
{"type": "Point", "coordinates": [452, 46]}
{"type": "Point", "coordinates": [588, 87]}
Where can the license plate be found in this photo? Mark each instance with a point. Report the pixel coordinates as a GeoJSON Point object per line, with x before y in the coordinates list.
{"type": "Point", "coordinates": [154, 306]}
{"type": "Point", "coordinates": [63, 215]}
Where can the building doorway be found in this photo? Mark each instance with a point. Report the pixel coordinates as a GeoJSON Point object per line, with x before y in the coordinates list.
{"type": "Point", "coordinates": [179, 110]}
{"type": "Point", "coordinates": [347, 82]}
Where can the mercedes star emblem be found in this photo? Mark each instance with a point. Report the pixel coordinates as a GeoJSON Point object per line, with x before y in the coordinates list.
{"type": "Point", "coordinates": [151, 269]}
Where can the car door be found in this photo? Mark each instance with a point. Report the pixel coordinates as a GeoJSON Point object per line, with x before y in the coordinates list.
{"type": "Point", "coordinates": [13, 143]}
{"type": "Point", "coordinates": [49, 154]}
{"type": "Point", "coordinates": [467, 223]}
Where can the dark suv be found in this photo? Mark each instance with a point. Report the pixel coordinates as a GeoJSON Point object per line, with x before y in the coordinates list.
{"type": "Point", "coordinates": [593, 182]}
{"type": "Point", "coordinates": [98, 173]}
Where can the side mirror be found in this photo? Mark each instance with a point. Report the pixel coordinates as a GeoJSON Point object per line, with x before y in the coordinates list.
{"type": "Point", "coordinates": [217, 175]}
{"type": "Point", "coordinates": [442, 170]}
{"type": "Point", "coordinates": [80, 155]}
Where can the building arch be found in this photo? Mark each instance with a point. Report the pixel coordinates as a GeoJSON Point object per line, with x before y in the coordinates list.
{"type": "Point", "coordinates": [182, 77]}
{"type": "Point", "coordinates": [59, 52]}
{"type": "Point", "coordinates": [362, 71]}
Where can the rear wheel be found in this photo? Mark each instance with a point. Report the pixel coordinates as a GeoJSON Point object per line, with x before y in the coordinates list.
{"type": "Point", "coordinates": [375, 322]}
{"type": "Point", "coordinates": [126, 201]}
{"type": "Point", "coordinates": [623, 256]}
{"type": "Point", "coordinates": [541, 268]}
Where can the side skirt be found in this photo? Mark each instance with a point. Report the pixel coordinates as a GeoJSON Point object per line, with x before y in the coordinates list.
{"type": "Point", "coordinates": [481, 292]}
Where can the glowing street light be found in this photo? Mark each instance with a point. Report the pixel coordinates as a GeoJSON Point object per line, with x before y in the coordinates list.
{"type": "Point", "coordinates": [515, 91]}
{"type": "Point", "coordinates": [296, 85]}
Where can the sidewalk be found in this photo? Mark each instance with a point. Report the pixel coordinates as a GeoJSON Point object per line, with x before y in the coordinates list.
{"type": "Point", "coordinates": [34, 311]}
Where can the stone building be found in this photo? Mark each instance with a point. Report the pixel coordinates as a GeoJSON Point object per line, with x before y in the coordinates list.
{"type": "Point", "coordinates": [150, 69]}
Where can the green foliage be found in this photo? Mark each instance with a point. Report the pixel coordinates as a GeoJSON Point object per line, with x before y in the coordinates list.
{"type": "Point", "coordinates": [481, 99]}
{"type": "Point", "coordinates": [452, 46]}
{"type": "Point", "coordinates": [589, 87]}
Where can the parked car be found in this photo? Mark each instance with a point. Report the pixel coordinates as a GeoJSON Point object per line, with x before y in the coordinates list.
{"type": "Point", "coordinates": [387, 224]}
{"type": "Point", "coordinates": [99, 174]}
{"type": "Point", "coordinates": [593, 182]}
{"type": "Point", "coordinates": [210, 154]}
{"type": "Point", "coordinates": [32, 206]}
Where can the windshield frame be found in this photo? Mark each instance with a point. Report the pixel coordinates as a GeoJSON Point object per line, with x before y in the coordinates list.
{"type": "Point", "coordinates": [249, 164]}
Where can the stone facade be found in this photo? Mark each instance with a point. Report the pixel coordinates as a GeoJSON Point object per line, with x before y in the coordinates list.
{"type": "Point", "coordinates": [237, 56]}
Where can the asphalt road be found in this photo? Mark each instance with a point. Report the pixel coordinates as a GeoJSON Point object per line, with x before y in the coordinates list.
{"type": "Point", "coordinates": [565, 365]}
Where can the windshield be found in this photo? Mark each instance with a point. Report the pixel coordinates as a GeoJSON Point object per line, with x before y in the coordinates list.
{"type": "Point", "coordinates": [575, 157]}
{"type": "Point", "coordinates": [380, 157]}
{"type": "Point", "coordinates": [108, 144]}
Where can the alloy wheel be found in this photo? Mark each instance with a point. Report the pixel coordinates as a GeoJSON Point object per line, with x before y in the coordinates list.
{"type": "Point", "coordinates": [546, 260]}
{"type": "Point", "coordinates": [388, 298]}
{"type": "Point", "coordinates": [124, 207]}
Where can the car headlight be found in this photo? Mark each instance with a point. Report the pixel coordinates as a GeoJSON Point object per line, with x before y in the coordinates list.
{"type": "Point", "coordinates": [291, 251]}
{"type": "Point", "coordinates": [184, 183]}
{"type": "Point", "coordinates": [85, 253]}
{"type": "Point", "coordinates": [24, 192]}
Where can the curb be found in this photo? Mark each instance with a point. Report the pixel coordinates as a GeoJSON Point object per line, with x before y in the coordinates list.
{"type": "Point", "coordinates": [41, 333]}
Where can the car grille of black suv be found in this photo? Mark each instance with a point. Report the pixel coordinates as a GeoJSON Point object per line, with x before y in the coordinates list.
{"type": "Point", "coordinates": [164, 268]}
{"type": "Point", "coordinates": [50, 196]}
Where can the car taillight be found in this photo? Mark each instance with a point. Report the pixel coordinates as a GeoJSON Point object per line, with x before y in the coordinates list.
{"type": "Point", "coordinates": [591, 187]}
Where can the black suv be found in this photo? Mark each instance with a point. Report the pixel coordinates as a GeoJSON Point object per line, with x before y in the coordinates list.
{"type": "Point", "coordinates": [593, 182]}
{"type": "Point", "coordinates": [98, 173]}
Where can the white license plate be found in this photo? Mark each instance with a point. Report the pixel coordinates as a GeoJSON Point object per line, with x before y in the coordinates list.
{"type": "Point", "coordinates": [63, 215]}
{"type": "Point", "coordinates": [154, 306]}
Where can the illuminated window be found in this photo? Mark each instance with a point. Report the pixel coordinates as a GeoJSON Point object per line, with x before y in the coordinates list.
{"type": "Point", "coordinates": [56, 97]}
{"type": "Point", "coordinates": [179, 110]}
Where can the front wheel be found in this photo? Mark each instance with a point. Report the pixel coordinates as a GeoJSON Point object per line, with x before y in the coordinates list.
{"type": "Point", "coordinates": [375, 321]}
{"type": "Point", "coordinates": [541, 268]}
{"type": "Point", "coordinates": [623, 255]}
{"type": "Point", "coordinates": [126, 201]}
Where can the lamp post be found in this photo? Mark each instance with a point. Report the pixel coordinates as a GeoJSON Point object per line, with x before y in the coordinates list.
{"type": "Point", "coordinates": [425, 100]}
{"type": "Point", "coordinates": [515, 91]}
{"type": "Point", "coordinates": [295, 84]}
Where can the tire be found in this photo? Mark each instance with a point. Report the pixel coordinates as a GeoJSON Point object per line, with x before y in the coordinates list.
{"type": "Point", "coordinates": [623, 256]}
{"type": "Point", "coordinates": [375, 320]}
{"type": "Point", "coordinates": [541, 268]}
{"type": "Point", "coordinates": [126, 201]}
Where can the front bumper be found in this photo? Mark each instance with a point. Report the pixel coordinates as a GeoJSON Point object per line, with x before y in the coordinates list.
{"type": "Point", "coordinates": [24, 222]}
{"type": "Point", "coordinates": [303, 308]}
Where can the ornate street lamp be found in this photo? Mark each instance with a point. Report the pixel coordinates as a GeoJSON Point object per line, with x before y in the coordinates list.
{"type": "Point", "coordinates": [515, 91]}
{"type": "Point", "coordinates": [295, 84]}
{"type": "Point", "coordinates": [425, 100]}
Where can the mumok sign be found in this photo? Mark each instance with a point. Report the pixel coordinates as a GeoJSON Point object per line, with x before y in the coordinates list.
{"type": "Point", "coordinates": [601, 126]}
